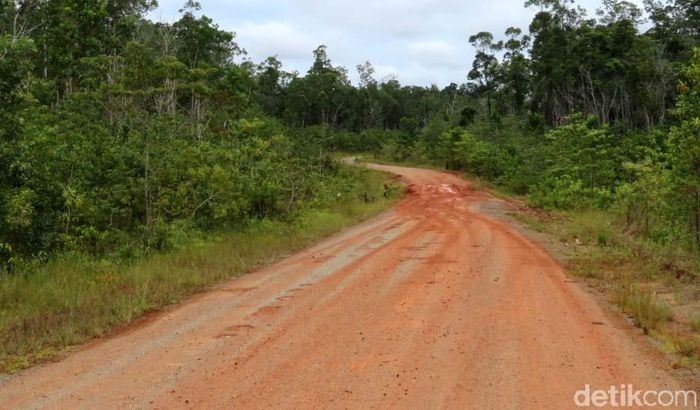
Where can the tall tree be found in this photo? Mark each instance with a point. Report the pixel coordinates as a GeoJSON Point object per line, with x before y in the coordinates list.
{"type": "Point", "coordinates": [485, 68]}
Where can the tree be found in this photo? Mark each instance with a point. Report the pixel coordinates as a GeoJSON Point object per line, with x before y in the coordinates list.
{"type": "Point", "coordinates": [685, 148]}
{"type": "Point", "coordinates": [515, 67]}
{"type": "Point", "coordinates": [201, 40]}
{"type": "Point", "coordinates": [369, 92]}
{"type": "Point", "coordinates": [15, 65]}
{"type": "Point", "coordinates": [321, 97]}
{"type": "Point", "coordinates": [485, 67]}
{"type": "Point", "coordinates": [16, 209]}
{"type": "Point", "coordinates": [615, 11]}
{"type": "Point", "coordinates": [270, 78]}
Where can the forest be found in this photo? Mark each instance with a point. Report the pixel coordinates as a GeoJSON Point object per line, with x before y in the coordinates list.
{"type": "Point", "coordinates": [120, 136]}
{"type": "Point", "coordinates": [118, 130]}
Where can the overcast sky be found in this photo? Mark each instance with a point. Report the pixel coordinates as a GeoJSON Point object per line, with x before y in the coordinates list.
{"type": "Point", "coordinates": [421, 41]}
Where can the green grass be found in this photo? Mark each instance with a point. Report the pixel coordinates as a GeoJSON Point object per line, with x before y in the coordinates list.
{"type": "Point", "coordinates": [533, 222]}
{"type": "Point", "coordinates": [695, 324]}
{"type": "Point", "coordinates": [686, 349]}
{"type": "Point", "coordinates": [74, 298]}
{"type": "Point", "coordinates": [642, 304]}
{"type": "Point", "coordinates": [633, 270]}
{"type": "Point", "coordinates": [591, 227]}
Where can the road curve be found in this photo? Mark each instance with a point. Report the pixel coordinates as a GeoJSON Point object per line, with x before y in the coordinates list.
{"type": "Point", "coordinates": [432, 304]}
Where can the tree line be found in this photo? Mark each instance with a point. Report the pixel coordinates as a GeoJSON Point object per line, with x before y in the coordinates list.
{"type": "Point", "coordinates": [584, 111]}
{"type": "Point", "coordinates": [118, 132]}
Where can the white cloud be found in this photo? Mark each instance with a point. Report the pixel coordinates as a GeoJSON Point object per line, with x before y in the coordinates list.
{"type": "Point", "coordinates": [436, 54]}
{"type": "Point", "coordinates": [262, 40]}
{"type": "Point", "coordinates": [383, 71]}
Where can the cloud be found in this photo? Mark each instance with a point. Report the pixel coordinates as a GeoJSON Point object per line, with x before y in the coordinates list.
{"type": "Point", "coordinates": [396, 17]}
{"type": "Point", "coordinates": [383, 71]}
{"type": "Point", "coordinates": [436, 54]}
{"type": "Point", "coordinates": [262, 40]}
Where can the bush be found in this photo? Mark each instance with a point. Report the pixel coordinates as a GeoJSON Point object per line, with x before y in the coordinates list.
{"type": "Point", "coordinates": [563, 192]}
{"type": "Point", "coordinates": [643, 200]}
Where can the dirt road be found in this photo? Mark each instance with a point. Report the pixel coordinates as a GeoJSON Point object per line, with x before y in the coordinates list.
{"type": "Point", "coordinates": [433, 304]}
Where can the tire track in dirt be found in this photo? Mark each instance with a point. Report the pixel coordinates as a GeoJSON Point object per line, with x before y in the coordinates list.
{"type": "Point", "coordinates": [433, 304]}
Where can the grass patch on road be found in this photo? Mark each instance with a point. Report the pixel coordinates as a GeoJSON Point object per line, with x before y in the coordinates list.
{"type": "Point", "coordinates": [74, 298]}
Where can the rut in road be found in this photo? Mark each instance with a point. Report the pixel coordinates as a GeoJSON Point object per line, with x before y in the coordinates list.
{"type": "Point", "coordinates": [433, 304]}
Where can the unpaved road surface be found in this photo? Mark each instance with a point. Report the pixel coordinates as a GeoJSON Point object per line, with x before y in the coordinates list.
{"type": "Point", "coordinates": [433, 304]}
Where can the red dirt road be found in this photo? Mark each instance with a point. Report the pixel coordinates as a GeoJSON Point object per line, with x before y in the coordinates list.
{"type": "Point", "coordinates": [433, 304]}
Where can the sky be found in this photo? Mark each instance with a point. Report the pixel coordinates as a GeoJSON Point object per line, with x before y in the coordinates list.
{"type": "Point", "coordinates": [422, 42]}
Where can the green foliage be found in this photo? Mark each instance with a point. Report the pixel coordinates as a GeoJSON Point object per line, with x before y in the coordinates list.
{"type": "Point", "coordinates": [15, 64]}
{"type": "Point", "coordinates": [73, 298]}
{"type": "Point", "coordinates": [684, 143]}
{"type": "Point", "coordinates": [580, 166]}
{"type": "Point", "coordinates": [151, 134]}
{"type": "Point", "coordinates": [644, 199]}
{"type": "Point", "coordinates": [462, 150]}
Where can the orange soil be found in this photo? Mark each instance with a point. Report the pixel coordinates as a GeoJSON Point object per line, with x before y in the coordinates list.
{"type": "Point", "coordinates": [432, 304]}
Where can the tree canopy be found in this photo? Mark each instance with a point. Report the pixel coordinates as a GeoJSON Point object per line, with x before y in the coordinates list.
{"type": "Point", "coordinates": [117, 131]}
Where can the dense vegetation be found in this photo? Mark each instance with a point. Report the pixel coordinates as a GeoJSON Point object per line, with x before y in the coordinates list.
{"type": "Point", "coordinates": [120, 136]}
{"type": "Point", "coordinates": [118, 131]}
{"type": "Point", "coordinates": [584, 112]}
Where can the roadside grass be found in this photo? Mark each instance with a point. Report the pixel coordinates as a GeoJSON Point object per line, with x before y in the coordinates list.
{"type": "Point", "coordinates": [74, 298]}
{"type": "Point", "coordinates": [655, 286]}
{"type": "Point", "coordinates": [642, 305]}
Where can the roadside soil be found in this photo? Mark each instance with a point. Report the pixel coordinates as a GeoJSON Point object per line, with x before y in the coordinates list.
{"type": "Point", "coordinates": [440, 302]}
